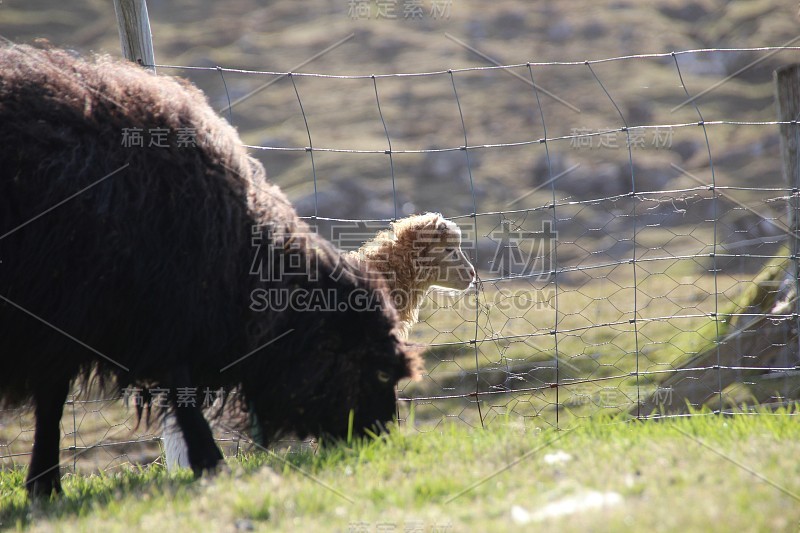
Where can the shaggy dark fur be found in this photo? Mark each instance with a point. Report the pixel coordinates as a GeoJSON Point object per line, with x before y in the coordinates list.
{"type": "Point", "coordinates": [143, 258]}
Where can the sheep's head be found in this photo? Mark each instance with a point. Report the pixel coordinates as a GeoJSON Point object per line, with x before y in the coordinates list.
{"type": "Point", "coordinates": [436, 250]}
{"type": "Point", "coordinates": [336, 374]}
{"type": "Point", "coordinates": [376, 403]}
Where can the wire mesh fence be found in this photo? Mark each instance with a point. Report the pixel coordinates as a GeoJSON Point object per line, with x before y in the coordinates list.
{"type": "Point", "coordinates": [639, 265]}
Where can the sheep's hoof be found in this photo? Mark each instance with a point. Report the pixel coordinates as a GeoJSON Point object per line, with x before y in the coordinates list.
{"type": "Point", "coordinates": [44, 485]}
{"type": "Point", "coordinates": [209, 462]}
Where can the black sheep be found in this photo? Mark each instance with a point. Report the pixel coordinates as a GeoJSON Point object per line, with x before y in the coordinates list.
{"type": "Point", "coordinates": [170, 264]}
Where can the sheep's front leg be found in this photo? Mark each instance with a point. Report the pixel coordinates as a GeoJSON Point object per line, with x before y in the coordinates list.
{"type": "Point", "coordinates": [175, 453]}
{"type": "Point", "coordinates": [44, 476]}
{"type": "Point", "coordinates": [203, 451]}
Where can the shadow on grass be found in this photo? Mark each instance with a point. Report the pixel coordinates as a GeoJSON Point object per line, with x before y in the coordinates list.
{"type": "Point", "coordinates": [83, 494]}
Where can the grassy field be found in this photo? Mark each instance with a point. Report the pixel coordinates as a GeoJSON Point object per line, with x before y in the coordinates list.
{"type": "Point", "coordinates": [705, 473]}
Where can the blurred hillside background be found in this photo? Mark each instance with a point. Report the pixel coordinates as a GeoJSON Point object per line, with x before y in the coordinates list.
{"type": "Point", "coordinates": [421, 113]}
{"type": "Point", "coordinates": [678, 221]}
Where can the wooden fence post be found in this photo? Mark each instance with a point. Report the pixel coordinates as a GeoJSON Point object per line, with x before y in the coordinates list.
{"type": "Point", "coordinates": [134, 32]}
{"type": "Point", "coordinates": [756, 341]}
{"type": "Point", "coordinates": [787, 102]}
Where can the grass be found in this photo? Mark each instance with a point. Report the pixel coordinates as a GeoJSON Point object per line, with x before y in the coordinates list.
{"type": "Point", "coordinates": [700, 473]}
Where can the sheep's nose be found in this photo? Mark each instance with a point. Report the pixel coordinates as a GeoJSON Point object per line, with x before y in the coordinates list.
{"type": "Point", "coordinates": [472, 273]}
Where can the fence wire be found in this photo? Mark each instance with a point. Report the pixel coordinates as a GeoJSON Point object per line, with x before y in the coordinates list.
{"type": "Point", "coordinates": [593, 297]}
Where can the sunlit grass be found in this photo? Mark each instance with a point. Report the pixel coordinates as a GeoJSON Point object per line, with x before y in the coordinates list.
{"type": "Point", "coordinates": [461, 477]}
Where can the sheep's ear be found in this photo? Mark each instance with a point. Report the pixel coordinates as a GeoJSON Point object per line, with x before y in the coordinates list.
{"type": "Point", "coordinates": [412, 358]}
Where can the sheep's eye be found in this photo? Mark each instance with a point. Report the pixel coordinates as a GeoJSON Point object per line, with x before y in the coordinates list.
{"type": "Point", "coordinates": [449, 250]}
{"type": "Point", "coordinates": [383, 377]}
